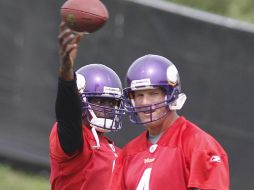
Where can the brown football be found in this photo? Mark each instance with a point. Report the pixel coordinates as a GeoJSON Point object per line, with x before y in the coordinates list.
{"type": "Point", "coordinates": [84, 15]}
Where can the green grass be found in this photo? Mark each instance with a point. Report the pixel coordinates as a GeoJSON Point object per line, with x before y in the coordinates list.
{"type": "Point", "coordinates": [11, 179]}
{"type": "Point", "coordinates": [237, 9]}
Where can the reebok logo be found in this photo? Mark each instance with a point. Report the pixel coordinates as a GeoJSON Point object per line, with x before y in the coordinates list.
{"type": "Point", "coordinates": [215, 158]}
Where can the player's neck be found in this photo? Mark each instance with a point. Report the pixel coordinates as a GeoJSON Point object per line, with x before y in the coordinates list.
{"type": "Point", "coordinates": [162, 125]}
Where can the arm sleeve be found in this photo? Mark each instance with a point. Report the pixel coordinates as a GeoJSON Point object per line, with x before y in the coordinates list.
{"type": "Point", "coordinates": [69, 116]}
{"type": "Point", "coordinates": [209, 167]}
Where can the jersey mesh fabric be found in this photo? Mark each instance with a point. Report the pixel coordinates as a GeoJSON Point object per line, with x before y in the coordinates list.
{"type": "Point", "coordinates": [89, 168]}
{"type": "Point", "coordinates": [181, 159]}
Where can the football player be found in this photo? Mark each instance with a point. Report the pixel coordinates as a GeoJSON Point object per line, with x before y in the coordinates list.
{"type": "Point", "coordinates": [173, 153]}
{"type": "Point", "coordinates": [89, 103]}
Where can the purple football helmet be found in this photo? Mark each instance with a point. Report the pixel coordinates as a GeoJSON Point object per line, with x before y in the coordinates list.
{"type": "Point", "coordinates": [149, 72]}
{"type": "Point", "coordinates": [96, 81]}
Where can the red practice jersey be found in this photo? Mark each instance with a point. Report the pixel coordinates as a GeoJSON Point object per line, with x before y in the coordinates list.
{"type": "Point", "coordinates": [88, 169]}
{"type": "Point", "coordinates": [184, 157]}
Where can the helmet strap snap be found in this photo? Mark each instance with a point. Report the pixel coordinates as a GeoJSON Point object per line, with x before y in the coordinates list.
{"type": "Point", "coordinates": [178, 103]}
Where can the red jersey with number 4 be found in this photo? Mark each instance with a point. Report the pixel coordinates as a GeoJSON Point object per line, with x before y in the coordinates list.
{"type": "Point", "coordinates": [88, 169]}
{"type": "Point", "coordinates": [184, 157]}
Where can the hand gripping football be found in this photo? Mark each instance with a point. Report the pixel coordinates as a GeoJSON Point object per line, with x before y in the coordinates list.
{"type": "Point", "coordinates": [84, 15]}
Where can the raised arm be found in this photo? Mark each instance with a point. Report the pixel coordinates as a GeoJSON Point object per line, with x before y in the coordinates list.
{"type": "Point", "coordinates": [68, 104]}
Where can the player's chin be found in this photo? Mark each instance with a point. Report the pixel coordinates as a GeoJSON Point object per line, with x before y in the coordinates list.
{"type": "Point", "coordinates": [148, 120]}
{"type": "Point", "coordinates": [153, 121]}
{"type": "Point", "coordinates": [144, 118]}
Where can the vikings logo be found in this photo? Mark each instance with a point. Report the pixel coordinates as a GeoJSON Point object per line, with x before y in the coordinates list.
{"type": "Point", "coordinates": [81, 82]}
{"type": "Point", "coordinates": [172, 75]}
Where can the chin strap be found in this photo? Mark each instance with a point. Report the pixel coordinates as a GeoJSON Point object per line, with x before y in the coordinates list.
{"type": "Point", "coordinates": [178, 103]}
{"type": "Point", "coordinates": [97, 146]}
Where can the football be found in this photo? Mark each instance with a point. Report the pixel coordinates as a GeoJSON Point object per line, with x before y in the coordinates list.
{"type": "Point", "coordinates": [84, 15]}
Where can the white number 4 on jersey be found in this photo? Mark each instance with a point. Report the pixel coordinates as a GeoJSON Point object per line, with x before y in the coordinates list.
{"type": "Point", "coordinates": [144, 181]}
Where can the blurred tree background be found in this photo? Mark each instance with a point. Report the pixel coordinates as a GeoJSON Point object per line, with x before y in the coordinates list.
{"type": "Point", "coordinates": [237, 9]}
